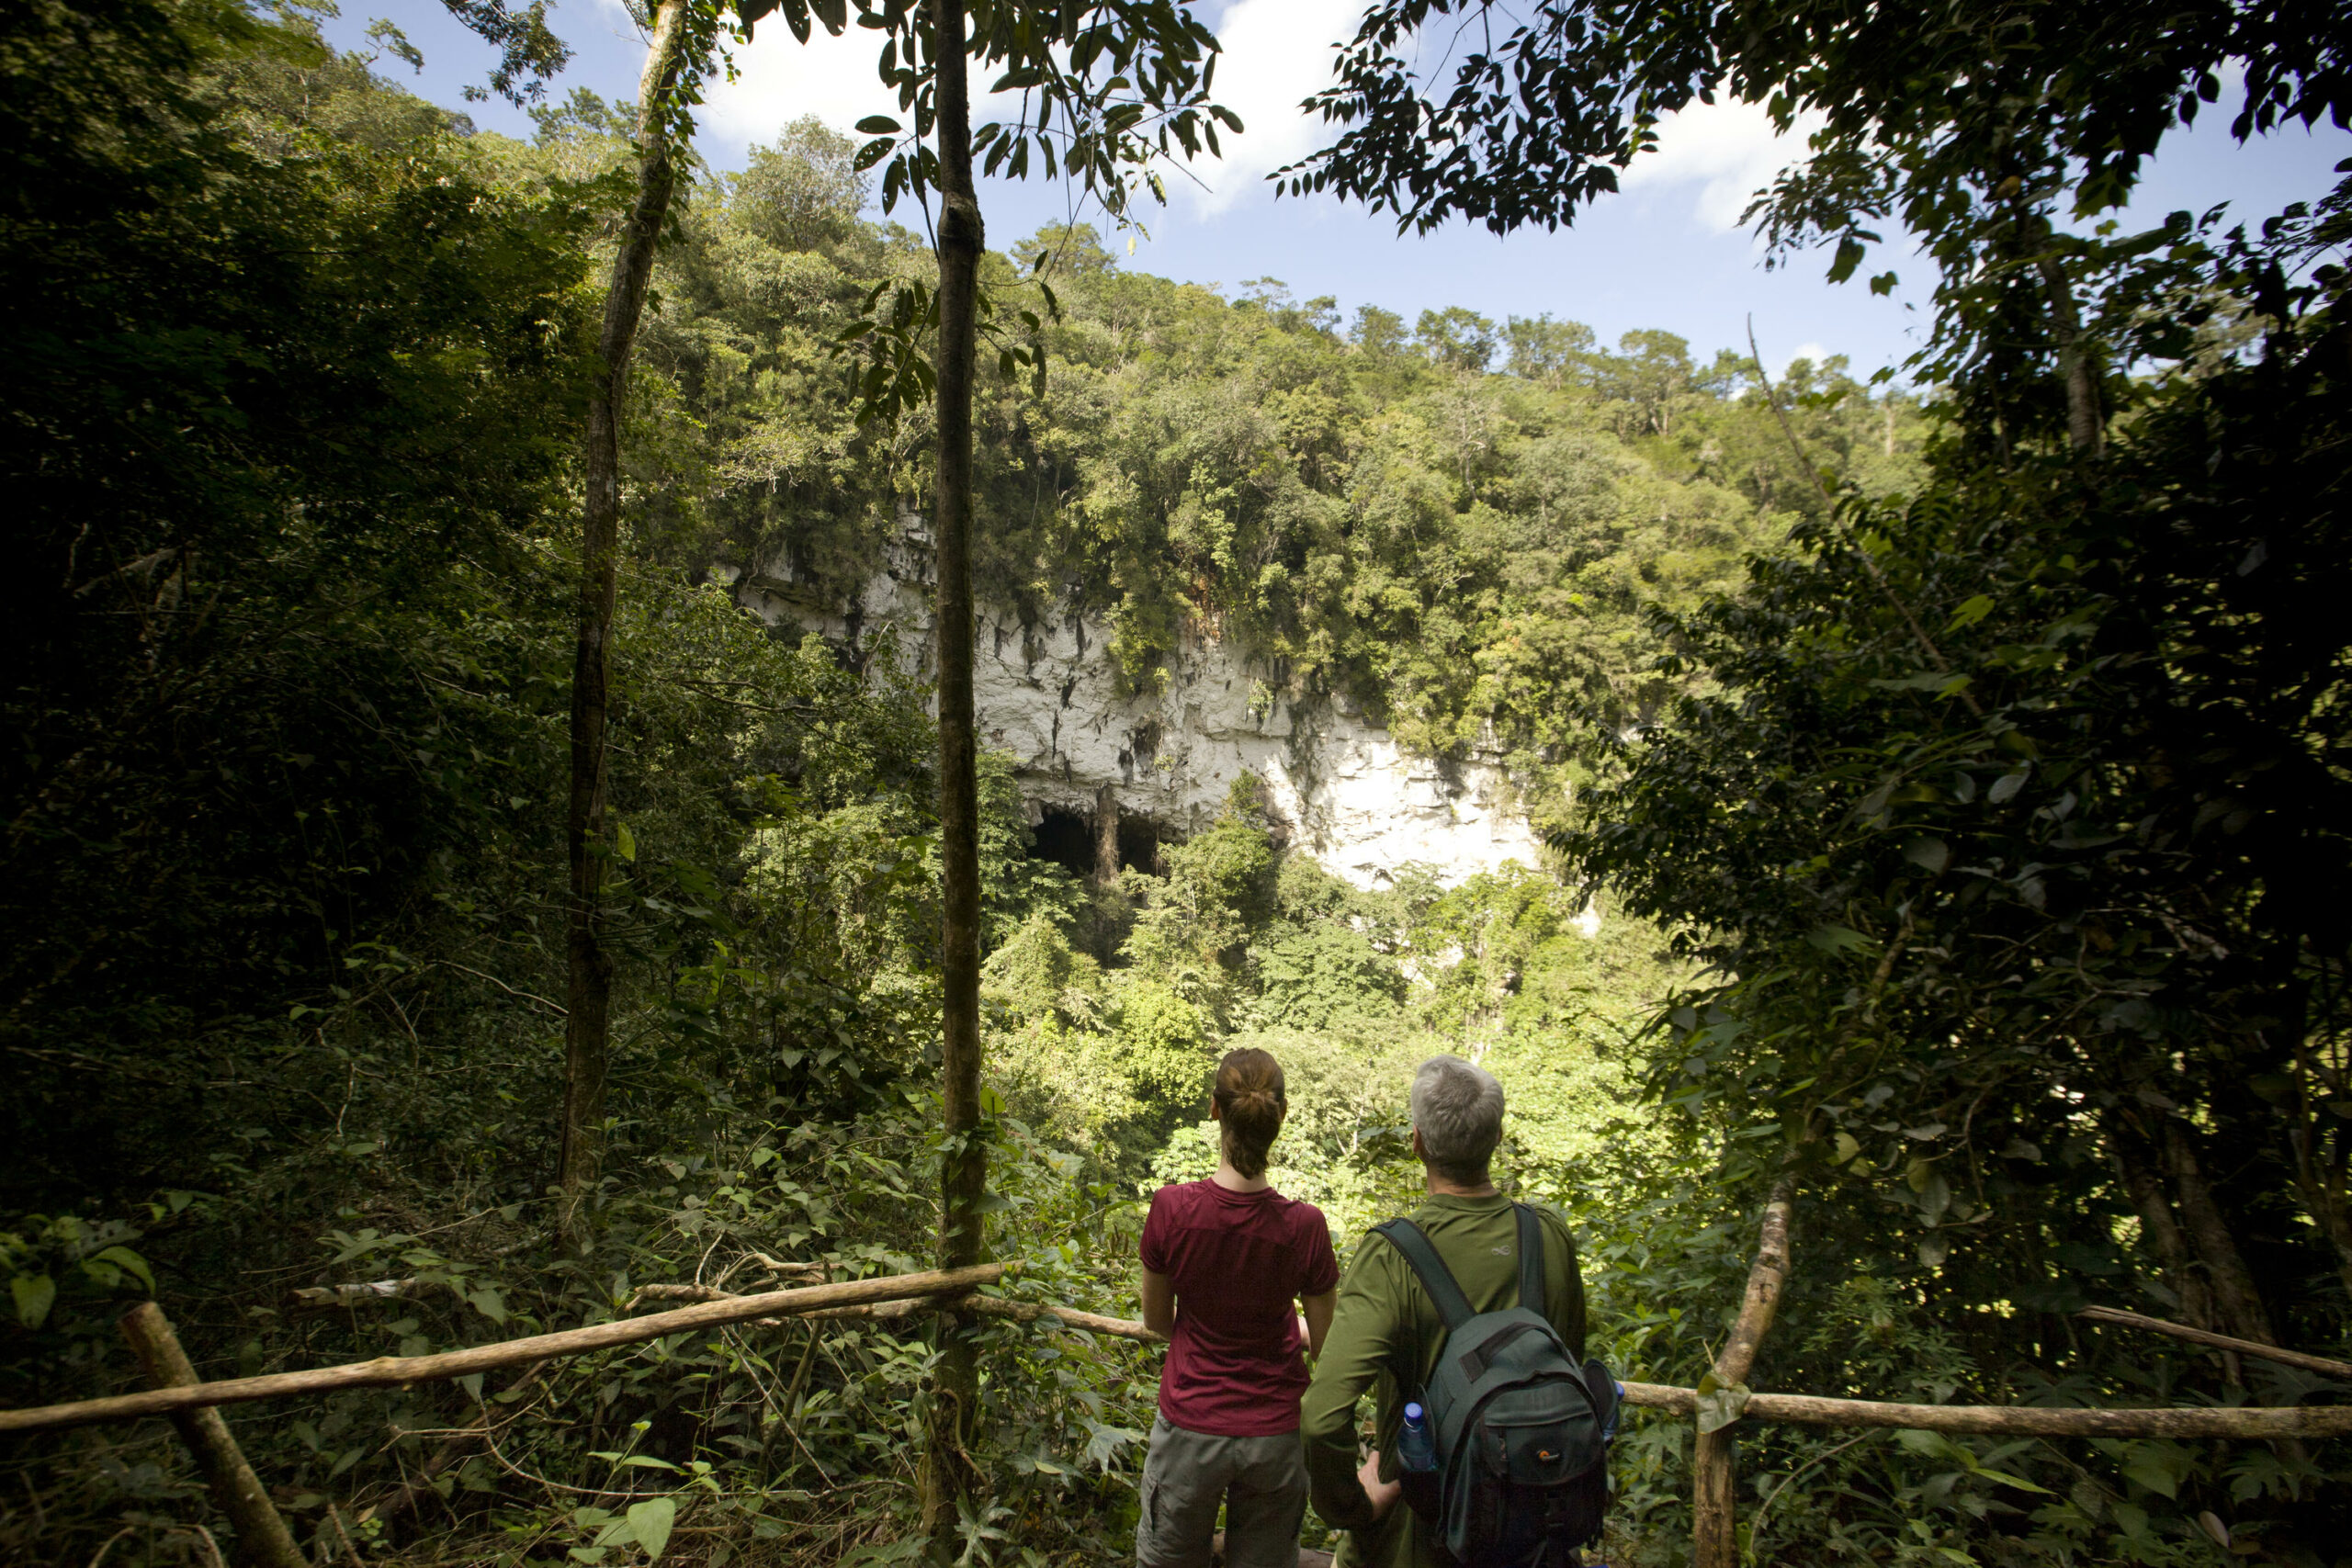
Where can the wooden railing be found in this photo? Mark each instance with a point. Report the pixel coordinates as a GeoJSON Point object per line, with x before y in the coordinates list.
{"type": "Point", "coordinates": [192, 1404]}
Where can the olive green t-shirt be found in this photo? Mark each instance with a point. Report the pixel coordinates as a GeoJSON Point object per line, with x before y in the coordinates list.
{"type": "Point", "coordinates": [1385, 1336]}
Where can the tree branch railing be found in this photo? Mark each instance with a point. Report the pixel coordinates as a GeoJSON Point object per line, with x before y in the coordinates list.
{"type": "Point", "coordinates": [400, 1371]}
{"type": "Point", "coordinates": [901, 1295]}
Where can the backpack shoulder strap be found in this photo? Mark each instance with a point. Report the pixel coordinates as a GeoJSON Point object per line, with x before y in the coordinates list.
{"type": "Point", "coordinates": [1436, 1277]}
{"type": "Point", "coordinates": [1531, 1261]}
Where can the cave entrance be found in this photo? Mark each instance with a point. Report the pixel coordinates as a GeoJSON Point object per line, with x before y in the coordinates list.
{"type": "Point", "coordinates": [1138, 843]}
{"type": "Point", "coordinates": [1067, 838]}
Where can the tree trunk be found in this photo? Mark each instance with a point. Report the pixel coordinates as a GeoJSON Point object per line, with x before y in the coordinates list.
{"type": "Point", "coordinates": [949, 1474]}
{"type": "Point", "coordinates": [589, 987]}
{"type": "Point", "coordinates": [2162, 1228]}
{"type": "Point", "coordinates": [263, 1540]}
{"type": "Point", "coordinates": [1714, 1535]}
{"type": "Point", "coordinates": [1106, 835]}
{"type": "Point", "coordinates": [2085, 431]}
{"type": "Point", "coordinates": [2237, 1299]}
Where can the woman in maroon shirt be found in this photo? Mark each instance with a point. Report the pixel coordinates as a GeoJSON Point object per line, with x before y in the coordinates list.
{"type": "Point", "coordinates": [1224, 1260]}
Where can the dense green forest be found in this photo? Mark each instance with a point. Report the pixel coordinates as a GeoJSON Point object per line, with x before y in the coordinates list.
{"type": "Point", "coordinates": [1961, 797]}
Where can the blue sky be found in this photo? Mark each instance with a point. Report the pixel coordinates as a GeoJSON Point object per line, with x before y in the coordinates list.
{"type": "Point", "coordinates": [1667, 252]}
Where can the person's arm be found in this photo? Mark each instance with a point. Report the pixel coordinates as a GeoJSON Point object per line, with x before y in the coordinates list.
{"type": "Point", "coordinates": [1318, 1311]}
{"type": "Point", "coordinates": [1159, 1302]}
{"type": "Point", "coordinates": [1363, 1332]}
{"type": "Point", "coordinates": [1383, 1493]}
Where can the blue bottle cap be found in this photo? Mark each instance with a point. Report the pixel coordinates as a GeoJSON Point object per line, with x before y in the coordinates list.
{"type": "Point", "coordinates": [1414, 1412]}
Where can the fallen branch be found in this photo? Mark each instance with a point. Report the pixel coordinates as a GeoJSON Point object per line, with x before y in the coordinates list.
{"type": "Point", "coordinates": [984, 1306]}
{"type": "Point", "coordinates": [1068, 1317]}
{"type": "Point", "coordinates": [263, 1540]}
{"type": "Point", "coordinates": [2017, 1421]}
{"type": "Point", "coordinates": [2122, 1319]}
{"type": "Point", "coordinates": [331, 1298]}
{"type": "Point", "coordinates": [400, 1371]}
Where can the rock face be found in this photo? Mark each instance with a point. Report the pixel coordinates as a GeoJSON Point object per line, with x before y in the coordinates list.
{"type": "Point", "coordinates": [1047, 692]}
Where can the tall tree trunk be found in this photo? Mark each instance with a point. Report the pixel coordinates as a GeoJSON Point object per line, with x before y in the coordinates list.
{"type": "Point", "coordinates": [2085, 431]}
{"type": "Point", "coordinates": [2236, 1298]}
{"type": "Point", "coordinates": [1714, 1536]}
{"type": "Point", "coordinates": [948, 1473]}
{"type": "Point", "coordinates": [589, 987]}
{"type": "Point", "coordinates": [1106, 835]}
{"type": "Point", "coordinates": [2162, 1228]}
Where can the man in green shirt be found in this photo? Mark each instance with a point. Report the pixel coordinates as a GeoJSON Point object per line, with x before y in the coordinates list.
{"type": "Point", "coordinates": [1386, 1332]}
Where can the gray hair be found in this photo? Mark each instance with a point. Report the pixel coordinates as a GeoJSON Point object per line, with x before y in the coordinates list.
{"type": "Point", "coordinates": [1458, 1110]}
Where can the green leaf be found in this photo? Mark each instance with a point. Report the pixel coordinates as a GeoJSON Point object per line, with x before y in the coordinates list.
{"type": "Point", "coordinates": [129, 1262]}
{"type": "Point", "coordinates": [1721, 1404]}
{"type": "Point", "coordinates": [623, 841]}
{"type": "Point", "coordinates": [34, 1293]}
{"type": "Point", "coordinates": [650, 1522]}
{"type": "Point", "coordinates": [1837, 939]}
{"type": "Point", "coordinates": [1928, 852]}
{"type": "Point", "coordinates": [879, 125]}
{"type": "Point", "coordinates": [1969, 612]}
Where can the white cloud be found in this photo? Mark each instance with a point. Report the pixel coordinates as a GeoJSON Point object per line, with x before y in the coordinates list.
{"type": "Point", "coordinates": [1727, 149]}
{"type": "Point", "coordinates": [1277, 52]}
{"type": "Point", "coordinates": [1811, 350]}
{"type": "Point", "coordinates": [778, 79]}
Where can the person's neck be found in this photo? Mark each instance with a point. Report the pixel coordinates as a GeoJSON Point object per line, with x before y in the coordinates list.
{"type": "Point", "coordinates": [1440, 1187]}
{"type": "Point", "coordinates": [1233, 1181]}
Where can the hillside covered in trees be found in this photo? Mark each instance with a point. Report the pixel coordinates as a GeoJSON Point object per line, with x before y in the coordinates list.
{"type": "Point", "coordinates": [1959, 796]}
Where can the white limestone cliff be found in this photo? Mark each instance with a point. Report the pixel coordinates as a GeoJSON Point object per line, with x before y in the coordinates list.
{"type": "Point", "coordinates": [1344, 790]}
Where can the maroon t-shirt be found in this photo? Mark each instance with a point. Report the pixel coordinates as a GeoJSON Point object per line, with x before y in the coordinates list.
{"type": "Point", "coordinates": [1238, 1260]}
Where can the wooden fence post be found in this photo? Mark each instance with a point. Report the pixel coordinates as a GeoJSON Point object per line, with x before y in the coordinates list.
{"type": "Point", "coordinates": [1715, 1471]}
{"type": "Point", "coordinates": [262, 1538]}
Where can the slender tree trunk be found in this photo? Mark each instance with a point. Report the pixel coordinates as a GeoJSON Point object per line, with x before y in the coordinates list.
{"type": "Point", "coordinates": [589, 989]}
{"type": "Point", "coordinates": [2236, 1295]}
{"type": "Point", "coordinates": [2162, 1228]}
{"type": "Point", "coordinates": [949, 1476]}
{"type": "Point", "coordinates": [263, 1540]}
{"type": "Point", "coordinates": [2085, 431]}
{"type": "Point", "coordinates": [1106, 835]}
{"type": "Point", "coordinates": [1714, 1535]}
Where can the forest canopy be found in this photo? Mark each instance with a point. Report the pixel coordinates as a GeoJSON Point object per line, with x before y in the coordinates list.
{"type": "Point", "coordinates": [1941, 785]}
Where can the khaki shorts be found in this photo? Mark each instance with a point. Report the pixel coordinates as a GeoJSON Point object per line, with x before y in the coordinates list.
{"type": "Point", "coordinates": [1261, 1480]}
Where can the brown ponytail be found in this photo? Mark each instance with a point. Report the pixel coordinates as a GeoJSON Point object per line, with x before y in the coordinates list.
{"type": "Point", "coordinates": [1249, 1094]}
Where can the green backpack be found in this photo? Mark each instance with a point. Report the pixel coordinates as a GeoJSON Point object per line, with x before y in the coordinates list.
{"type": "Point", "coordinates": [1522, 1431]}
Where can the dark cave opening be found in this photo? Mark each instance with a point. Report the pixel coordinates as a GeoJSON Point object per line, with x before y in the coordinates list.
{"type": "Point", "coordinates": [1067, 838]}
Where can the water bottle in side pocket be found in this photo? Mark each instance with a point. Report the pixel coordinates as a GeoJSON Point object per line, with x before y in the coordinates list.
{"type": "Point", "coordinates": [1416, 1444]}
